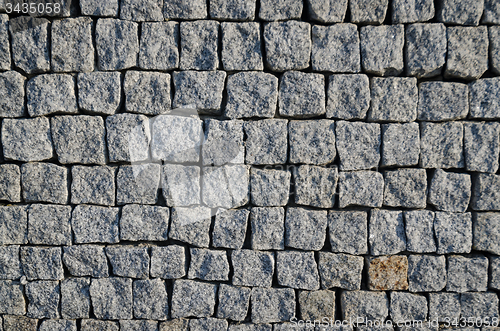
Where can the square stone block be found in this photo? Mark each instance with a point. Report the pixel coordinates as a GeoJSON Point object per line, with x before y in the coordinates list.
{"type": "Point", "coordinates": [420, 231]}
{"type": "Point", "coordinates": [51, 93]}
{"type": "Point", "coordinates": [147, 92]}
{"type": "Point", "coordinates": [426, 273]}
{"type": "Point", "coordinates": [441, 145]}
{"type": "Point", "coordinates": [13, 225]}
{"type": "Point", "coordinates": [199, 42]}
{"type": "Point", "coordinates": [93, 185]}
{"type": "Point", "coordinates": [267, 141]}
{"type": "Point", "coordinates": [86, 260]}
{"type": "Point", "coordinates": [144, 223]}
{"type": "Point", "coordinates": [49, 225]}
{"type": "Point", "coordinates": [272, 305]}
{"type": "Point", "coordinates": [223, 143]}
{"type": "Point", "coordinates": [361, 188]}
{"type": "Point", "coordinates": [408, 307]}
{"type": "Point", "coordinates": [10, 265]}
{"type": "Point", "coordinates": [460, 12]}
{"type": "Point", "coordinates": [43, 299]}
{"type": "Point", "coordinates": [312, 142]}
{"type": "Point", "coordinates": [99, 8]}
{"type": "Point", "coordinates": [112, 298]}
{"type": "Point", "coordinates": [348, 231]}
{"type": "Point", "coordinates": [453, 232]}
{"type": "Point", "coordinates": [128, 137]}
{"type": "Point", "coordinates": [405, 188]}
{"type": "Point", "coordinates": [425, 49]}
{"type": "Point", "coordinates": [467, 274]}
{"type": "Point", "coordinates": [486, 192]}
{"type": "Point", "coordinates": [99, 92]}
{"type": "Point", "coordinates": [168, 262]}
{"type": "Point", "coordinates": [358, 145]}
{"type": "Point", "coordinates": [388, 273]}
{"type": "Point", "coordinates": [316, 305]}
{"type": "Point", "coordinates": [481, 146]}
{"type": "Point", "coordinates": [12, 93]}
{"type": "Point", "coordinates": [191, 225]}
{"type": "Point", "coordinates": [150, 300]}
{"type": "Point", "coordinates": [387, 232]}
{"type": "Point", "coordinates": [138, 184]}
{"type": "Point", "coordinates": [29, 42]}
{"type": "Point", "coordinates": [417, 11]}
{"type": "Point", "coordinates": [44, 182]}
{"type": "Point", "coordinates": [368, 11]}
{"type": "Point", "coordinates": [193, 298]}
{"type": "Point", "coordinates": [348, 96]}
{"type": "Point", "coordinates": [148, 10]}
{"type": "Point", "coordinates": [305, 229]}
{"type": "Point", "coordinates": [269, 187]}
{"type": "Point", "coordinates": [233, 10]}
{"type": "Point", "coordinates": [209, 265]}
{"type": "Point", "coordinates": [316, 186]}
{"type": "Point", "coordinates": [230, 228]}
{"type": "Point", "coordinates": [382, 49]}
{"type": "Point", "coordinates": [442, 101]}
{"type": "Point", "coordinates": [95, 224]}
{"type": "Point", "coordinates": [301, 95]}
{"type": "Point", "coordinates": [117, 44]}
{"type": "Point", "coordinates": [159, 49]}
{"type": "Point", "coordinates": [482, 103]}
{"type": "Point", "coordinates": [129, 261]}
{"type": "Point", "coordinates": [486, 229]}
{"type": "Point", "coordinates": [340, 270]}
{"type": "Point", "coordinates": [280, 10]}
{"type": "Point", "coordinates": [297, 270]}
{"type": "Point", "coordinates": [450, 191]}
{"type": "Point", "coordinates": [13, 301]}
{"type": "Point", "coordinates": [241, 43]}
{"type": "Point", "coordinates": [268, 228]}
{"type": "Point", "coordinates": [393, 99]}
{"type": "Point", "coordinates": [370, 306]}
{"type": "Point", "coordinates": [181, 9]}
{"type": "Point", "coordinates": [252, 268]}
{"type": "Point", "coordinates": [444, 306]}
{"type": "Point", "coordinates": [42, 263]}
{"type": "Point", "coordinates": [234, 302]}
{"type": "Point", "coordinates": [400, 144]}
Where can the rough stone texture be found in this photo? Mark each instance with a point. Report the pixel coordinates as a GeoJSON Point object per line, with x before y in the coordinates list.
{"type": "Point", "coordinates": [111, 298]}
{"type": "Point", "coordinates": [368, 11]}
{"type": "Point", "coordinates": [43, 299]}
{"type": "Point", "coordinates": [297, 270]}
{"type": "Point", "coordinates": [442, 101]}
{"type": "Point", "coordinates": [168, 262]}
{"type": "Point", "coordinates": [209, 265]}
{"type": "Point", "coordinates": [75, 298]}
{"type": "Point", "coordinates": [327, 11]}
{"type": "Point", "coordinates": [405, 188]}
{"type": "Point", "coordinates": [13, 225]}
{"type": "Point", "coordinates": [269, 187]}
{"type": "Point", "coordinates": [453, 232]}
{"type": "Point", "coordinates": [441, 145]}
{"type": "Point", "coordinates": [251, 327]}
{"type": "Point", "coordinates": [251, 94]}
{"type": "Point", "coordinates": [149, 10]}
{"type": "Point", "coordinates": [361, 188]}
{"type": "Point", "coordinates": [280, 10]}
{"type": "Point", "coordinates": [481, 146]}
{"type": "Point", "coordinates": [241, 45]}
{"type": "Point", "coordinates": [486, 229]}
{"type": "Point", "coordinates": [180, 185]}
{"type": "Point", "coordinates": [141, 325]}
{"type": "Point", "coordinates": [411, 12]}
{"type": "Point", "coordinates": [482, 103]}
{"type": "Point", "coordinates": [348, 232]}
{"type": "Point", "coordinates": [58, 325]}
{"type": "Point", "coordinates": [191, 225]}
{"type": "Point", "coordinates": [387, 232]}
{"type": "Point", "coordinates": [90, 325]}
{"type": "Point", "coordinates": [42, 263]}
{"type": "Point", "coordinates": [388, 273]}
{"type": "Point", "coordinates": [340, 270]}
{"type": "Point", "coordinates": [13, 301]}
{"type": "Point", "coordinates": [10, 183]}
{"type": "Point", "coordinates": [99, 92]}
{"type": "Point", "coordinates": [180, 9]}
{"type": "Point", "coordinates": [150, 299]}
{"type": "Point", "coordinates": [301, 95]}
{"type": "Point", "coordinates": [223, 142]}
{"type": "Point", "coordinates": [117, 44]}
{"type": "Point", "coordinates": [425, 49]}
{"type": "Point", "coordinates": [467, 56]}
{"type": "Point", "coordinates": [93, 185]}
{"type": "Point", "coordinates": [129, 261]}
{"type": "Point", "coordinates": [443, 306]}
{"type": "Point", "coordinates": [315, 186]}
{"type": "Point", "coordinates": [382, 49]}
{"type": "Point", "coordinates": [491, 12]}
{"type": "Point", "coordinates": [178, 324]}
{"type": "Point", "coordinates": [138, 184]}
{"type": "Point", "coordinates": [12, 94]}
{"type": "Point", "coordinates": [207, 324]}
{"type": "Point", "coordinates": [316, 305]}
{"type": "Point", "coordinates": [485, 194]}
{"type": "Point", "coordinates": [288, 44]}
{"type": "Point", "coordinates": [10, 266]}
{"type": "Point", "coordinates": [99, 8]}
{"type": "Point", "coordinates": [44, 182]}
{"type": "Point", "coordinates": [348, 96]}
{"type": "Point", "coordinates": [408, 307]}
{"type": "Point", "coordinates": [19, 323]}
{"type": "Point", "coordinates": [230, 228]}
{"type": "Point", "coordinates": [358, 145]}
{"type": "Point", "coordinates": [312, 142]}
{"type": "Point", "coordinates": [272, 305]}
{"type": "Point", "coordinates": [159, 46]}
{"type": "Point", "coordinates": [393, 99]}
{"type": "Point", "coordinates": [86, 260]}
{"type": "Point", "coordinates": [467, 274]}
{"type": "Point", "coordinates": [49, 94]}
{"type": "Point", "coordinates": [49, 225]}
{"type": "Point", "coordinates": [268, 227]}
{"type": "Point", "coordinates": [266, 141]}
{"type": "Point", "coordinates": [400, 144]}
{"type": "Point", "coordinates": [144, 223]}
{"type": "Point", "coordinates": [450, 191]}
{"type": "Point", "coordinates": [494, 35]}
{"type": "Point", "coordinates": [426, 273]}
{"type": "Point", "coordinates": [94, 224]}
{"type": "Point", "coordinates": [26, 139]}
{"type": "Point", "coordinates": [193, 298]}
{"type": "Point", "coordinates": [5, 58]}
{"type": "Point", "coordinates": [305, 229]}
{"type": "Point", "coordinates": [368, 305]}
{"type": "Point", "coordinates": [226, 187]}
{"type": "Point", "coordinates": [460, 12]}
{"type": "Point", "coordinates": [419, 226]}
{"type": "Point", "coordinates": [128, 137]}
{"type": "Point", "coordinates": [147, 92]}
{"type": "Point", "coordinates": [477, 305]}
{"type": "Point", "coordinates": [494, 280]}
{"type": "Point", "coordinates": [199, 41]}
{"type": "Point", "coordinates": [252, 268]}
{"type": "Point", "coordinates": [233, 10]}
{"type": "Point", "coordinates": [233, 302]}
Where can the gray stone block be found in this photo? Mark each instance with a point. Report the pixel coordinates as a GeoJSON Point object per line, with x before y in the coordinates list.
{"type": "Point", "coordinates": [140, 325]}
{"type": "Point", "coordinates": [111, 298]}
{"type": "Point", "coordinates": [336, 47]}
{"type": "Point", "coordinates": [58, 325]}
{"type": "Point", "coordinates": [268, 228]}
{"type": "Point", "coordinates": [93, 185]}
{"type": "Point", "coordinates": [251, 94]}
{"type": "Point", "coordinates": [417, 11]}
{"type": "Point", "coordinates": [301, 95]}
{"type": "Point", "coordinates": [482, 103]}
{"type": "Point", "coordinates": [442, 101]}
{"type": "Point", "coordinates": [49, 225]}
{"type": "Point", "coordinates": [233, 302]}
{"type": "Point", "coordinates": [288, 44]}
{"type": "Point", "coordinates": [420, 231]}
{"type": "Point", "coordinates": [450, 191]}
{"type": "Point", "coordinates": [460, 12]}
{"type": "Point", "coordinates": [71, 45]}
{"type": "Point", "coordinates": [494, 38]}
{"type": "Point", "coordinates": [42, 263]}
{"type": "Point", "coordinates": [444, 306]}
{"type": "Point", "coordinates": [159, 49]}
{"type": "Point", "coordinates": [10, 266]}
{"type": "Point", "coordinates": [199, 43]}
{"type": "Point", "coordinates": [86, 260]}
{"type": "Point", "coordinates": [467, 274]}
{"type": "Point", "coordinates": [226, 187]}
{"type": "Point", "coordinates": [382, 49]}
{"type": "Point", "coordinates": [13, 225]}
{"type": "Point", "coordinates": [387, 232]}
{"type": "Point", "coordinates": [269, 187]}
{"type": "Point", "coordinates": [210, 265]}
{"type": "Point", "coordinates": [400, 144]}
{"type": "Point", "coordinates": [408, 307]}
{"type": "Point", "coordinates": [481, 146]}
{"type": "Point", "coordinates": [393, 99]}
{"type": "Point", "coordinates": [128, 137]}
{"type": "Point", "coordinates": [94, 224]}
{"type": "Point", "coordinates": [129, 261]}
{"type": "Point", "coordinates": [26, 139]}
{"type": "Point", "coordinates": [12, 94]}
{"type": "Point", "coordinates": [252, 268]}
{"type": "Point", "coordinates": [280, 10]}
{"type": "Point", "coordinates": [13, 302]}
{"type": "Point", "coordinates": [150, 299]}
{"type": "Point", "coordinates": [340, 270]}
{"type": "Point", "coordinates": [69, 133]}
{"type": "Point", "coordinates": [305, 229]}
{"type": "Point", "coordinates": [426, 273]}
{"type": "Point", "coordinates": [485, 193]}
{"type": "Point", "coordinates": [10, 183]}
{"type": "Point", "coordinates": [44, 182]}
{"type": "Point", "coordinates": [405, 188]}
{"type": "Point", "coordinates": [425, 49]}
{"type": "Point", "coordinates": [479, 305]}
{"type": "Point", "coordinates": [91, 325]}
{"type": "Point", "coordinates": [486, 229]}
{"type": "Point", "coordinates": [312, 142]}
{"type": "Point", "coordinates": [147, 92]}
{"type": "Point", "coordinates": [241, 44]}
{"type": "Point", "coordinates": [327, 11]}
{"type": "Point", "coordinates": [368, 12]}
{"type": "Point", "coordinates": [230, 227]}
{"type": "Point", "coordinates": [272, 305]}
{"type": "Point", "coordinates": [316, 305]}
{"type": "Point", "coordinates": [494, 280]}
{"type": "Point", "coordinates": [267, 141]}
{"type": "Point", "coordinates": [178, 324]}
{"type": "Point", "coordinates": [453, 232]}
{"type": "Point", "coordinates": [467, 52]}
{"type": "Point", "coordinates": [251, 327]}
{"type": "Point", "coordinates": [297, 270]}
{"type": "Point", "coordinates": [193, 298]}
{"type": "Point", "coordinates": [149, 10]}
{"type": "Point", "coordinates": [138, 184]}
{"type": "Point", "coordinates": [361, 188]}
{"type": "Point", "coordinates": [99, 92]}
{"type": "Point", "coordinates": [5, 58]}
{"type": "Point", "coordinates": [441, 145]}
{"type": "Point", "coordinates": [348, 232]}
{"type": "Point", "coordinates": [99, 8]}
{"type": "Point", "coordinates": [370, 306]}
{"type": "Point", "coordinates": [168, 262]}
{"type": "Point", "coordinates": [387, 272]}
{"type": "Point", "coordinates": [182, 9]}
{"type": "Point", "coordinates": [358, 145]}
{"type": "Point", "coordinates": [49, 94]}
{"type": "Point", "coordinates": [207, 324]}
{"type": "Point", "coordinates": [315, 186]}
{"type": "Point", "coordinates": [20, 323]}
{"type": "Point", "coordinates": [201, 90]}
{"type": "Point", "coordinates": [144, 223]}
{"type": "Point", "coordinates": [191, 225]}
{"type": "Point", "coordinates": [491, 14]}
{"type": "Point", "coordinates": [75, 298]}
{"type": "Point", "coordinates": [223, 143]}
{"type": "Point", "coordinates": [43, 299]}
{"type": "Point", "coordinates": [117, 44]}
{"type": "Point", "coordinates": [30, 44]}
{"type": "Point", "coordinates": [233, 10]}
{"type": "Point", "coordinates": [348, 96]}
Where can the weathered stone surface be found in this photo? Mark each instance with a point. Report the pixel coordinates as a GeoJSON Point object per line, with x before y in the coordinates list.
{"type": "Point", "coordinates": [43, 299]}
{"type": "Point", "coordinates": [316, 305]}
{"type": "Point", "coordinates": [485, 194]}
{"type": "Point", "coordinates": [467, 56]}
{"type": "Point", "coordinates": [140, 325]}
{"type": "Point", "coordinates": [301, 95]}
{"type": "Point", "coordinates": [251, 327]}
{"type": "Point", "coordinates": [192, 298]}
{"type": "Point", "coordinates": [147, 92]}
{"type": "Point", "coordinates": [42, 263]}
{"type": "Point", "coordinates": [387, 232]}
{"type": "Point", "coordinates": [252, 268]}
{"type": "Point", "coordinates": [368, 305]}
{"type": "Point", "coordinates": [226, 187]}
{"type": "Point", "coordinates": [201, 90]}
{"type": "Point", "coordinates": [486, 229]}
{"type": "Point", "coordinates": [272, 305]}
{"type": "Point", "coordinates": [416, 11]}
{"type": "Point", "coordinates": [159, 46]}
{"type": "Point", "coordinates": [408, 307]}
{"type": "Point", "coordinates": [312, 142]}
{"type": "Point", "coordinates": [348, 232]}
{"type": "Point", "coordinates": [426, 273]}
{"type": "Point", "coordinates": [405, 188]}
{"type": "Point", "coordinates": [297, 270]}
{"type": "Point", "coordinates": [71, 46]}
{"type": "Point", "coordinates": [482, 103]}
{"type": "Point", "coordinates": [223, 142]}
{"type": "Point", "coordinates": [117, 44]}
{"type": "Point", "coordinates": [111, 298]}
{"type": "Point", "coordinates": [491, 14]}
{"type": "Point", "coordinates": [128, 137]}
{"type": "Point", "coordinates": [460, 12]}
{"type": "Point", "coordinates": [442, 101]}
{"type": "Point", "coordinates": [388, 273]}
{"type": "Point", "coordinates": [393, 99]}
{"type": "Point", "coordinates": [58, 325]}
{"type": "Point", "coordinates": [230, 228]}
{"type": "Point", "coordinates": [348, 96]}
{"type": "Point", "coordinates": [441, 145]}
{"type": "Point", "coordinates": [94, 224]}
{"type": "Point", "coordinates": [180, 9]}
{"type": "Point", "coordinates": [144, 223]}
{"type": "Point", "coordinates": [49, 225]}
{"type": "Point", "coordinates": [86, 260]}
{"type": "Point", "coordinates": [479, 305]}
{"type": "Point", "coordinates": [494, 36]}
{"type": "Point", "coordinates": [305, 229]}
{"type": "Point", "coordinates": [44, 182]}
{"type": "Point", "coordinates": [99, 92]}
{"type": "Point", "coordinates": [241, 45]}
{"type": "Point", "coordinates": [75, 298]}
{"type": "Point", "coordinates": [280, 10]}
{"type": "Point", "coordinates": [5, 58]}
{"type": "Point", "coordinates": [10, 183]}
{"type": "Point", "coordinates": [453, 232]}
{"type": "Point", "coordinates": [149, 10]}
{"type": "Point", "coordinates": [10, 266]}
{"type": "Point", "coordinates": [13, 225]}
{"type": "Point", "coordinates": [12, 94]}
{"type": "Point", "coordinates": [361, 188]}
{"type": "Point", "coordinates": [267, 141]}
{"type": "Point", "coordinates": [327, 11]}
{"type": "Point", "coordinates": [93, 185]}
{"type": "Point", "coordinates": [494, 280]}
{"type": "Point", "coordinates": [467, 274]}
{"type": "Point", "coordinates": [400, 144]}
{"type": "Point", "coordinates": [368, 11]}
{"type": "Point", "coordinates": [138, 184]}
{"type": "Point", "coordinates": [358, 145]}
{"type": "Point", "coordinates": [210, 265]}
{"type": "Point", "coordinates": [178, 324]}
{"type": "Point", "coordinates": [13, 301]}
{"type": "Point", "coordinates": [233, 10]}
{"type": "Point", "coordinates": [91, 325]}
{"type": "Point", "coordinates": [69, 133]}
{"type": "Point", "coordinates": [481, 146]}
{"type": "Point", "coordinates": [269, 187]}
{"type": "Point", "coordinates": [191, 225]}
{"type": "Point", "coordinates": [382, 49]}
{"type": "Point", "coordinates": [340, 270]}
{"type": "Point", "coordinates": [49, 94]}
{"type": "Point", "coordinates": [288, 44]}
{"type": "Point", "coordinates": [26, 139]}
{"type": "Point", "coordinates": [199, 41]}
{"type": "Point", "coordinates": [19, 323]}
{"type": "Point", "coordinates": [268, 227]}
{"type": "Point", "coordinates": [168, 262]}
{"type": "Point", "coordinates": [316, 186]}
{"type": "Point", "coordinates": [233, 302]}
{"type": "Point", "coordinates": [150, 299]}
{"type": "Point", "coordinates": [99, 8]}
{"type": "Point", "coordinates": [450, 191]}
{"type": "Point", "coordinates": [129, 261]}
{"type": "Point", "coordinates": [443, 306]}
{"type": "Point", "coordinates": [420, 231]}
{"type": "Point", "coordinates": [207, 324]}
